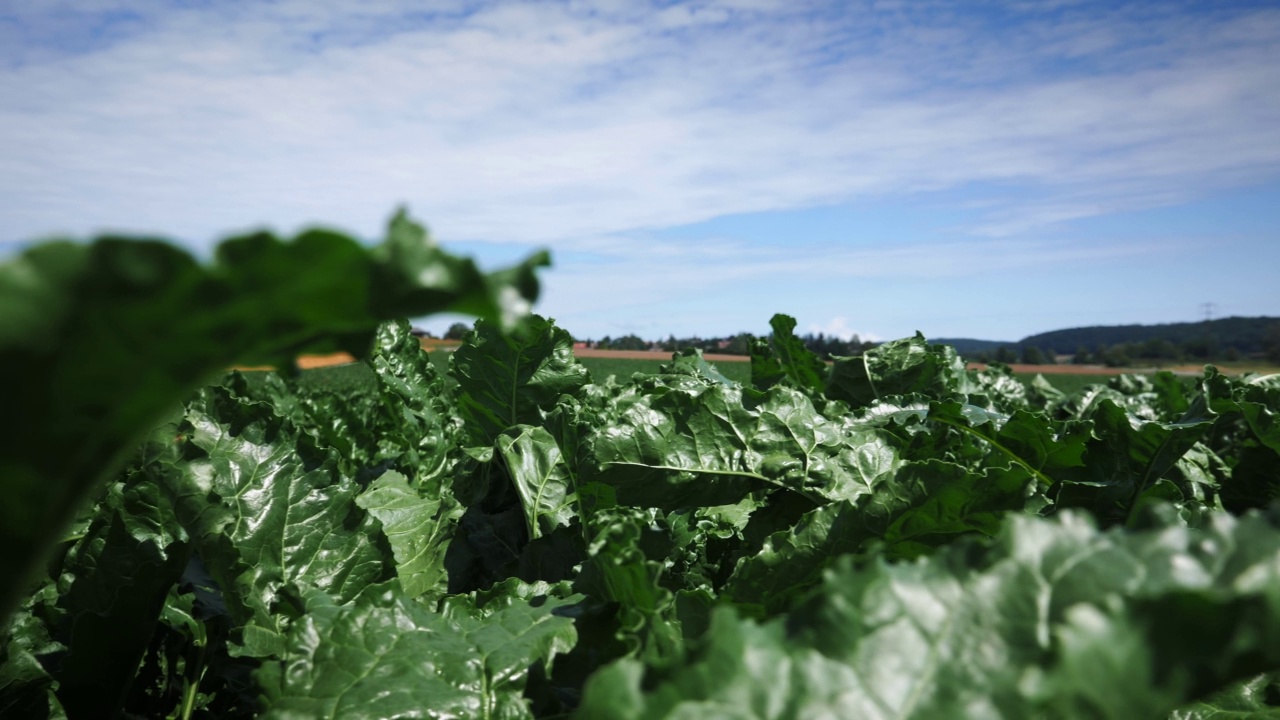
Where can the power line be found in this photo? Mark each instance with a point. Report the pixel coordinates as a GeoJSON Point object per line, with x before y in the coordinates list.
{"type": "Point", "coordinates": [1208, 310]}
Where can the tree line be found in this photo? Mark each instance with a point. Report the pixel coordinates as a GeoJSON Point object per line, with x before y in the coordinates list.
{"type": "Point", "coordinates": [821, 344]}
{"type": "Point", "coordinates": [1213, 339]}
{"type": "Point", "coordinates": [1228, 339]}
{"type": "Point", "coordinates": [1153, 351]}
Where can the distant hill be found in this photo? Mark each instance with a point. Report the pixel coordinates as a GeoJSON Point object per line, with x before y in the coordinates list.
{"type": "Point", "coordinates": [1245, 334]}
{"type": "Point", "coordinates": [970, 346]}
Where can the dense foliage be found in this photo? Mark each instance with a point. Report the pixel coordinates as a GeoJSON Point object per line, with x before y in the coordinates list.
{"type": "Point", "coordinates": [889, 536]}
{"type": "Point", "coordinates": [98, 340]}
{"type": "Point", "coordinates": [895, 537]}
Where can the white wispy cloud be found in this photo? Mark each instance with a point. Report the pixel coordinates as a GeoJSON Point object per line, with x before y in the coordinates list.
{"type": "Point", "coordinates": [562, 122]}
{"type": "Point", "coordinates": [838, 327]}
{"type": "Point", "coordinates": [652, 286]}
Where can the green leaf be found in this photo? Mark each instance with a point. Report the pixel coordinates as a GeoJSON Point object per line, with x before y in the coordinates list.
{"type": "Point", "coordinates": [1042, 394]}
{"type": "Point", "coordinates": [619, 570]}
{"type": "Point", "coordinates": [532, 459]}
{"type": "Point", "coordinates": [1127, 456]}
{"type": "Point", "coordinates": [744, 671]}
{"type": "Point", "coordinates": [387, 656]}
{"type": "Point", "coordinates": [272, 515]}
{"type": "Point", "coordinates": [1053, 619]}
{"type": "Point", "coordinates": [413, 276]}
{"type": "Point", "coordinates": [919, 506]}
{"type": "Point", "coordinates": [701, 446]}
{"type": "Point", "coordinates": [677, 449]}
{"type": "Point", "coordinates": [98, 341]}
{"type": "Point", "coordinates": [901, 367]}
{"type": "Point", "coordinates": [1249, 699]}
{"type": "Point", "coordinates": [785, 358]}
{"type": "Point", "coordinates": [423, 437]}
{"type": "Point", "coordinates": [997, 388]}
{"type": "Point", "coordinates": [418, 529]}
{"type": "Point", "coordinates": [113, 588]}
{"type": "Point", "coordinates": [27, 689]}
{"type": "Point", "coordinates": [689, 361]}
{"type": "Point", "coordinates": [1257, 398]}
{"type": "Point", "coordinates": [513, 379]}
{"type": "Point", "coordinates": [1049, 451]}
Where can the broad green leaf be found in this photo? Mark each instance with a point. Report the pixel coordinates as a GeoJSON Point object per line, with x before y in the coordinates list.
{"type": "Point", "coordinates": [744, 671]}
{"type": "Point", "coordinates": [1254, 481]}
{"type": "Point", "coordinates": [98, 341]}
{"type": "Point", "coordinates": [783, 357]}
{"type": "Point", "coordinates": [414, 276]}
{"type": "Point", "coordinates": [1043, 395]}
{"type": "Point", "coordinates": [1049, 451]}
{"type": "Point", "coordinates": [356, 424]}
{"type": "Point", "coordinates": [27, 689]}
{"type": "Point", "coordinates": [404, 371]}
{"type": "Point", "coordinates": [689, 361]}
{"type": "Point", "coordinates": [1127, 456]}
{"type": "Point", "coordinates": [425, 432]}
{"type": "Point", "coordinates": [512, 379]}
{"type": "Point", "coordinates": [919, 506]}
{"type": "Point", "coordinates": [1257, 399]}
{"type": "Point", "coordinates": [900, 367]}
{"type": "Point", "coordinates": [1002, 391]}
{"type": "Point", "coordinates": [1171, 395]}
{"type": "Point", "coordinates": [702, 446]}
{"type": "Point", "coordinates": [791, 561]}
{"type": "Point", "coordinates": [1159, 397]}
{"type": "Point", "coordinates": [418, 527]}
{"type": "Point", "coordinates": [1053, 619]}
{"type": "Point", "coordinates": [272, 515]}
{"type": "Point", "coordinates": [678, 449]}
{"type": "Point", "coordinates": [618, 570]}
{"type": "Point", "coordinates": [547, 495]}
{"type": "Point", "coordinates": [113, 586]}
{"type": "Point", "coordinates": [387, 656]}
{"type": "Point", "coordinates": [1255, 698]}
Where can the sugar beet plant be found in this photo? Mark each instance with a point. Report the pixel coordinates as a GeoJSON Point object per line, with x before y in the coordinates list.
{"type": "Point", "coordinates": [891, 536]}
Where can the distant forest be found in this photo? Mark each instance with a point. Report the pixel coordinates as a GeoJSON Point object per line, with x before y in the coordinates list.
{"type": "Point", "coordinates": [1229, 339]}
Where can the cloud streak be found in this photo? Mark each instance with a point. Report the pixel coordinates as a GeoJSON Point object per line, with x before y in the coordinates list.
{"type": "Point", "coordinates": [551, 122]}
{"type": "Point", "coordinates": [595, 126]}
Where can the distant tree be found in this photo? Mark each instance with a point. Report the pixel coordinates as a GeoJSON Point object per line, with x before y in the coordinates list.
{"type": "Point", "coordinates": [630, 342]}
{"type": "Point", "coordinates": [1032, 355]}
{"type": "Point", "coordinates": [1271, 343]}
{"type": "Point", "coordinates": [739, 344]}
{"type": "Point", "coordinates": [1231, 354]}
{"type": "Point", "coordinates": [671, 344]}
{"type": "Point", "coordinates": [1117, 356]}
{"type": "Point", "coordinates": [1200, 348]}
{"type": "Point", "coordinates": [1005, 355]}
{"type": "Point", "coordinates": [457, 331]}
{"type": "Point", "coordinates": [1157, 349]}
{"type": "Point", "coordinates": [1082, 356]}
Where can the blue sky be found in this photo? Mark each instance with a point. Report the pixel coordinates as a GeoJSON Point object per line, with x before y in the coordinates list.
{"type": "Point", "coordinates": [980, 169]}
